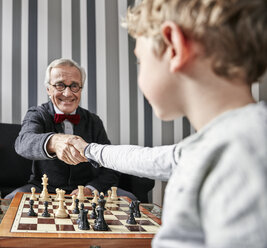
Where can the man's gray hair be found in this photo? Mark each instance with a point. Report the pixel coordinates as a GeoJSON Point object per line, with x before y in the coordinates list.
{"type": "Point", "coordinates": [67, 62]}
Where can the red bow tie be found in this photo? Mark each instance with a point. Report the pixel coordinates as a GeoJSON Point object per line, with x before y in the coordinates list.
{"type": "Point", "coordinates": [75, 119]}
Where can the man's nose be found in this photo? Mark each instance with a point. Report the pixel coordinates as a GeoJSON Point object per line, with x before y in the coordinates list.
{"type": "Point", "coordinates": [67, 92]}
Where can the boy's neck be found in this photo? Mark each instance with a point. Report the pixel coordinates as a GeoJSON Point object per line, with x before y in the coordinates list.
{"type": "Point", "coordinates": [209, 96]}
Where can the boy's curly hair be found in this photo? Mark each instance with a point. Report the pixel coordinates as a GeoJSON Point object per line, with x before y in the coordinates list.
{"type": "Point", "coordinates": [232, 32]}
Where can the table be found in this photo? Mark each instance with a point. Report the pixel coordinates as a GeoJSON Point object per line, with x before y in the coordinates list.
{"type": "Point", "coordinates": [63, 239]}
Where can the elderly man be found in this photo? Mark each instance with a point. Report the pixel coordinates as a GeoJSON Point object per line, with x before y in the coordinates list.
{"type": "Point", "coordinates": [46, 130]}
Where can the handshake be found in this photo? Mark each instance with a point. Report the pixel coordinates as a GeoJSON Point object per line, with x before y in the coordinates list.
{"type": "Point", "coordinates": [68, 148]}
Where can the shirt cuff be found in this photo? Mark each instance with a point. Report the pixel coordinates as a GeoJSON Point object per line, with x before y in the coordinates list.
{"type": "Point", "coordinates": [90, 187]}
{"type": "Point", "coordinates": [92, 153]}
{"type": "Point", "coordinates": [45, 144]}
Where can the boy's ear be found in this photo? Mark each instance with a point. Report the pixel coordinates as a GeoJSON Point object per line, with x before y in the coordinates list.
{"type": "Point", "coordinates": [176, 43]}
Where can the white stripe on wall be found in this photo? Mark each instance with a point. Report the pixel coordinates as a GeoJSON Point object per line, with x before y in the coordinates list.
{"type": "Point", "coordinates": [157, 193]}
{"type": "Point", "coordinates": [83, 18]}
{"type": "Point", "coordinates": [6, 104]}
{"type": "Point", "coordinates": [178, 130]}
{"type": "Point", "coordinates": [141, 116]}
{"type": "Point", "coordinates": [66, 18]}
{"type": "Point", "coordinates": [24, 56]}
{"type": "Point", "coordinates": [101, 63]}
{"type": "Point", "coordinates": [255, 91]}
{"type": "Point", "coordinates": [42, 49]}
{"type": "Point", "coordinates": [124, 79]}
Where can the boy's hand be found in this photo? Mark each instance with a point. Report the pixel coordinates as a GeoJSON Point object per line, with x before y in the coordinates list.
{"type": "Point", "coordinates": [59, 145]}
{"type": "Point", "coordinates": [79, 144]}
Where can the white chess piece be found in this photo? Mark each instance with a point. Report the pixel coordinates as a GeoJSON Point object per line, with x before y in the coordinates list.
{"type": "Point", "coordinates": [44, 196]}
{"type": "Point", "coordinates": [57, 196]}
{"type": "Point", "coordinates": [114, 196]}
{"type": "Point", "coordinates": [33, 196]}
{"type": "Point", "coordinates": [109, 196]}
{"type": "Point", "coordinates": [61, 212]}
{"type": "Point", "coordinates": [95, 199]}
{"type": "Point", "coordinates": [81, 193]}
{"type": "Point", "coordinates": [73, 205]}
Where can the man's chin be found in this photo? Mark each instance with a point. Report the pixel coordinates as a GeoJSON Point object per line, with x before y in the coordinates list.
{"type": "Point", "coordinates": [67, 109]}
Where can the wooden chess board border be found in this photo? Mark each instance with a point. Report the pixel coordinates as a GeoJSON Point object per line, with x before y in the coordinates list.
{"type": "Point", "coordinates": [6, 225]}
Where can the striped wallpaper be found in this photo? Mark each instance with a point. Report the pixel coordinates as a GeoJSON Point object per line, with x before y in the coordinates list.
{"type": "Point", "coordinates": [35, 32]}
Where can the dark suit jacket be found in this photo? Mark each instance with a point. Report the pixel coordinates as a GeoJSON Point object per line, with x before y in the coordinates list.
{"type": "Point", "coordinates": [37, 125]}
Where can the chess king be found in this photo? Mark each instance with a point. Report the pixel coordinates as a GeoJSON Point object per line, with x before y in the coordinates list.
{"type": "Point", "coordinates": [46, 130]}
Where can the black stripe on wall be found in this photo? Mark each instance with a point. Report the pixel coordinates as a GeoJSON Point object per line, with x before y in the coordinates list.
{"type": "Point", "coordinates": [148, 124]}
{"type": "Point", "coordinates": [167, 133]}
{"type": "Point", "coordinates": [76, 31]}
{"type": "Point", "coordinates": [186, 127]}
{"type": "Point", "coordinates": [16, 62]}
{"type": "Point", "coordinates": [91, 55]}
{"type": "Point", "coordinates": [1, 10]}
{"type": "Point", "coordinates": [54, 30]}
{"type": "Point", "coordinates": [32, 66]}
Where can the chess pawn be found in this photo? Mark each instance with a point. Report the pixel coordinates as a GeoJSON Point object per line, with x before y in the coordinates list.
{"type": "Point", "coordinates": [136, 209]}
{"type": "Point", "coordinates": [61, 212]}
{"type": "Point", "coordinates": [95, 200]}
{"type": "Point", "coordinates": [33, 196]}
{"type": "Point", "coordinates": [114, 196]}
{"type": "Point", "coordinates": [73, 205]}
{"type": "Point", "coordinates": [131, 220]}
{"type": "Point", "coordinates": [109, 196]}
{"type": "Point", "coordinates": [57, 196]}
{"type": "Point", "coordinates": [81, 193]}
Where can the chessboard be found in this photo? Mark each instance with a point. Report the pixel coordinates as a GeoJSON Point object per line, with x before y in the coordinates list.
{"type": "Point", "coordinates": [29, 231]}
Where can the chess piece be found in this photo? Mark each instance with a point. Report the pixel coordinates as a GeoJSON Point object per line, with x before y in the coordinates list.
{"type": "Point", "coordinates": [81, 193]}
{"type": "Point", "coordinates": [73, 205]}
{"type": "Point", "coordinates": [80, 213]}
{"type": "Point", "coordinates": [76, 209]}
{"type": "Point", "coordinates": [95, 199]}
{"type": "Point", "coordinates": [114, 196]}
{"type": "Point", "coordinates": [57, 196]}
{"type": "Point", "coordinates": [33, 196]}
{"type": "Point", "coordinates": [83, 222]}
{"type": "Point", "coordinates": [44, 196]}
{"type": "Point", "coordinates": [45, 213]}
{"type": "Point", "coordinates": [61, 212]}
{"type": "Point", "coordinates": [93, 215]}
{"type": "Point", "coordinates": [137, 213]}
{"type": "Point", "coordinates": [100, 223]}
{"type": "Point", "coordinates": [131, 219]}
{"type": "Point", "coordinates": [31, 211]}
{"type": "Point", "coordinates": [109, 197]}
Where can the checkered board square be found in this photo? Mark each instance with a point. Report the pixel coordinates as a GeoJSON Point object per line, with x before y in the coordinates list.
{"type": "Point", "coordinates": [116, 214]}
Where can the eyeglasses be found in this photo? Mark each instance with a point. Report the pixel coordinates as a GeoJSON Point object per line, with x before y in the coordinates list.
{"type": "Point", "coordinates": [74, 87]}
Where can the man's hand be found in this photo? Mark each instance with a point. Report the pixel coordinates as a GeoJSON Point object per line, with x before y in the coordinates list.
{"type": "Point", "coordinates": [59, 144]}
{"type": "Point", "coordinates": [86, 191]}
{"type": "Point", "coordinates": [79, 144]}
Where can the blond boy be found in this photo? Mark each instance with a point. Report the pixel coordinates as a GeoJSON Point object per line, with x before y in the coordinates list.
{"type": "Point", "coordinates": [198, 58]}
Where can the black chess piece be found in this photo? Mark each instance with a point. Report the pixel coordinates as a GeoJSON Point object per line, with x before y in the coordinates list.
{"type": "Point", "coordinates": [137, 213]}
{"type": "Point", "coordinates": [93, 215]}
{"type": "Point", "coordinates": [83, 223]}
{"type": "Point", "coordinates": [80, 216]}
{"type": "Point", "coordinates": [131, 220]}
{"type": "Point", "coordinates": [31, 211]}
{"type": "Point", "coordinates": [45, 213]}
{"type": "Point", "coordinates": [100, 223]}
{"type": "Point", "coordinates": [76, 209]}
